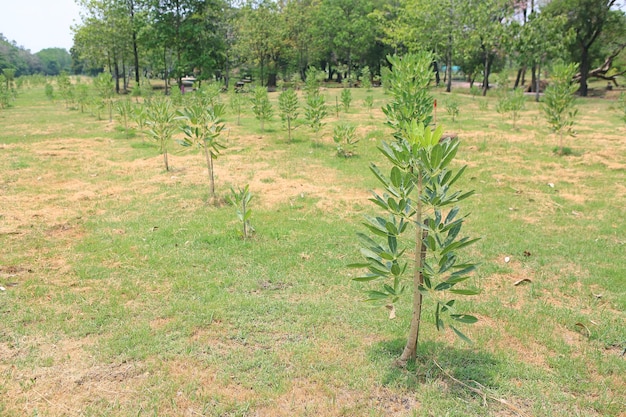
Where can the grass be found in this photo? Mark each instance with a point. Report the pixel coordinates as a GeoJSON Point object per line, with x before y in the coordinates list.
{"type": "Point", "coordinates": [126, 295]}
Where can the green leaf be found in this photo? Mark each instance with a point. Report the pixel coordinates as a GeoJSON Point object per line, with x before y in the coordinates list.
{"type": "Point", "coordinates": [396, 177]}
{"type": "Point", "coordinates": [376, 295]}
{"type": "Point", "coordinates": [435, 157]}
{"type": "Point", "coordinates": [464, 318]}
{"type": "Point", "coordinates": [392, 241]}
{"type": "Point", "coordinates": [458, 245]}
{"type": "Point", "coordinates": [461, 335]}
{"type": "Point", "coordinates": [467, 268]}
{"type": "Point", "coordinates": [454, 281]}
{"type": "Point", "coordinates": [389, 289]}
{"type": "Point", "coordinates": [464, 291]}
{"type": "Point", "coordinates": [366, 278]}
{"type": "Point", "coordinates": [387, 256]}
{"type": "Point", "coordinates": [358, 265]}
{"type": "Point", "coordinates": [438, 321]}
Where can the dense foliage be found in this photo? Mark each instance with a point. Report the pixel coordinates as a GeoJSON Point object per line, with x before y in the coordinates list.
{"type": "Point", "coordinates": [268, 40]}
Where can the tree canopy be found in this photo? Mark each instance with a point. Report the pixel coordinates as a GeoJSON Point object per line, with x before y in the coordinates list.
{"type": "Point", "coordinates": [272, 39]}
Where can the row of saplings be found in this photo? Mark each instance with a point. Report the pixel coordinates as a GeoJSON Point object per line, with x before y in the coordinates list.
{"type": "Point", "coordinates": [199, 116]}
{"type": "Point", "coordinates": [420, 205]}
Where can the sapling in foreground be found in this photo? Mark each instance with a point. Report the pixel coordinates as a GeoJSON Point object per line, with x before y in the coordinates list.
{"type": "Point", "coordinates": [237, 97]}
{"type": "Point", "coordinates": [418, 200]}
{"type": "Point", "coordinates": [315, 110]}
{"type": "Point", "coordinates": [161, 123]}
{"type": "Point", "coordinates": [241, 200]}
{"type": "Point", "coordinates": [288, 105]}
{"type": "Point", "coordinates": [124, 110]}
{"type": "Point", "coordinates": [452, 107]}
{"type": "Point", "coordinates": [344, 136]}
{"type": "Point", "coordinates": [261, 106]}
{"type": "Point", "coordinates": [202, 127]}
{"type": "Point", "coordinates": [346, 99]}
{"type": "Point", "coordinates": [368, 102]}
{"type": "Point", "coordinates": [558, 101]}
{"type": "Point", "coordinates": [366, 78]}
{"type": "Point", "coordinates": [105, 88]}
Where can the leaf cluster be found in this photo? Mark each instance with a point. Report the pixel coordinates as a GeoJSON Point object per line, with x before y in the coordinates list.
{"type": "Point", "coordinates": [421, 162]}
{"type": "Point", "coordinates": [344, 135]}
{"type": "Point", "coordinates": [315, 110]}
{"type": "Point", "coordinates": [408, 84]}
{"type": "Point", "coordinates": [558, 100]}
{"type": "Point", "coordinates": [261, 105]}
{"type": "Point", "coordinates": [240, 199]}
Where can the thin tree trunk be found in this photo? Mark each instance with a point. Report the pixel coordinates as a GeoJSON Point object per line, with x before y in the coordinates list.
{"type": "Point", "coordinates": [209, 164]}
{"type": "Point", "coordinates": [449, 70]}
{"type": "Point", "coordinates": [167, 167]}
{"type": "Point", "coordinates": [486, 75]}
{"type": "Point", "coordinates": [116, 67]}
{"type": "Point", "coordinates": [538, 88]}
{"type": "Point", "coordinates": [135, 51]}
{"type": "Point", "coordinates": [289, 127]}
{"type": "Point", "coordinates": [518, 78]}
{"type": "Point", "coordinates": [165, 74]}
{"type": "Point", "coordinates": [410, 350]}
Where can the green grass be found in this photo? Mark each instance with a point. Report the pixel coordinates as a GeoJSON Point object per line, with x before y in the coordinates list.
{"type": "Point", "coordinates": [127, 295]}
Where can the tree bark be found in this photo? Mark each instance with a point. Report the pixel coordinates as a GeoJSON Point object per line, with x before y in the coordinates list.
{"type": "Point", "coordinates": [518, 78]}
{"type": "Point", "coordinates": [487, 71]}
{"type": "Point", "coordinates": [538, 87]}
{"type": "Point", "coordinates": [410, 350]}
{"type": "Point", "coordinates": [135, 51]}
{"type": "Point", "coordinates": [209, 164]}
{"type": "Point", "coordinates": [116, 70]}
{"type": "Point", "coordinates": [449, 71]}
{"type": "Point", "coordinates": [584, 71]}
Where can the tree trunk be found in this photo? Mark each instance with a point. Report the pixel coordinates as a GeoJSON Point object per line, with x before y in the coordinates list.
{"type": "Point", "coordinates": [116, 69]}
{"type": "Point", "coordinates": [518, 78]}
{"type": "Point", "coordinates": [165, 74]}
{"type": "Point", "coordinates": [209, 164]}
{"type": "Point", "coordinates": [449, 71]}
{"type": "Point", "coordinates": [538, 87]}
{"type": "Point", "coordinates": [487, 71]}
{"type": "Point", "coordinates": [436, 70]}
{"type": "Point", "coordinates": [533, 80]}
{"type": "Point", "coordinates": [271, 80]}
{"type": "Point", "coordinates": [585, 65]}
{"type": "Point", "coordinates": [125, 82]}
{"type": "Point", "coordinates": [135, 52]}
{"type": "Point", "coordinates": [410, 350]}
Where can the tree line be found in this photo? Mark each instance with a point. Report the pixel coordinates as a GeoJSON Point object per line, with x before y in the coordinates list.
{"type": "Point", "coordinates": [280, 39]}
{"type": "Point", "coordinates": [49, 61]}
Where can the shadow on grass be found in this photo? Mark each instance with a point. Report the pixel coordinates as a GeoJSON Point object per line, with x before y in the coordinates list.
{"type": "Point", "coordinates": [466, 365]}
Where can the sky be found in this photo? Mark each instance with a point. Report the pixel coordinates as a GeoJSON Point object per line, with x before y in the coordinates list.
{"type": "Point", "coordinates": [39, 24]}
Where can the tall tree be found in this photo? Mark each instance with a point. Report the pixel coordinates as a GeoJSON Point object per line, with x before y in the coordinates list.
{"type": "Point", "coordinates": [105, 36]}
{"type": "Point", "coordinates": [346, 31]}
{"type": "Point", "coordinates": [260, 38]}
{"type": "Point", "coordinates": [588, 19]}
{"type": "Point", "coordinates": [429, 25]}
{"type": "Point", "coordinates": [487, 30]}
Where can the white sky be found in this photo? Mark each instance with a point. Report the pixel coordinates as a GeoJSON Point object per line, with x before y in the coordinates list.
{"type": "Point", "coordinates": [39, 24]}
